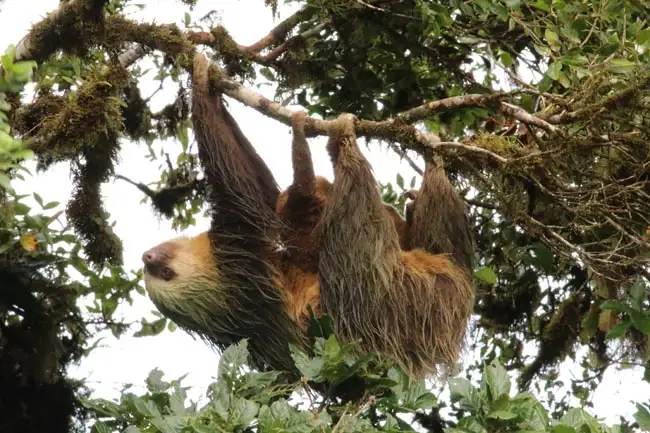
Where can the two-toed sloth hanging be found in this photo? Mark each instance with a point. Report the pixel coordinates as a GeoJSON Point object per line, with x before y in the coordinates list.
{"type": "Point", "coordinates": [402, 288]}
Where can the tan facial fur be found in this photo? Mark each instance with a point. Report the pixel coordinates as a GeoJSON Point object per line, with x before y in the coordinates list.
{"type": "Point", "coordinates": [193, 265]}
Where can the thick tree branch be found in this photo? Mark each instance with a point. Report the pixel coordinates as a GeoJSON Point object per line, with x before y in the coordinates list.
{"type": "Point", "coordinates": [525, 117]}
{"type": "Point", "coordinates": [172, 41]}
{"type": "Point", "coordinates": [50, 35]}
{"type": "Point", "coordinates": [182, 46]}
{"type": "Point", "coordinates": [619, 204]}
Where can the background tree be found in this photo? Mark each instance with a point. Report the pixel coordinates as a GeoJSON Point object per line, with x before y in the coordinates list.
{"type": "Point", "coordinates": [541, 110]}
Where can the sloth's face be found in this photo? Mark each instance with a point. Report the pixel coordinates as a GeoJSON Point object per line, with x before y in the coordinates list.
{"type": "Point", "coordinates": [179, 271]}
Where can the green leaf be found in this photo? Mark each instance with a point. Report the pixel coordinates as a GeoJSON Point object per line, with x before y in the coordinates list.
{"type": "Point", "coordinates": [8, 58]}
{"type": "Point", "coordinates": [543, 257]}
{"type": "Point", "coordinates": [183, 137]}
{"type": "Point", "coordinates": [5, 181]}
{"type": "Point", "coordinates": [271, 418]}
{"type": "Point", "coordinates": [515, 4]}
{"type": "Point", "coordinates": [577, 418]}
{"type": "Point", "coordinates": [100, 427]}
{"type": "Point", "coordinates": [563, 79]}
{"type": "Point", "coordinates": [38, 199]}
{"type": "Point", "coordinates": [551, 36]}
{"type": "Point", "coordinates": [638, 293]}
{"type": "Point", "coordinates": [154, 381]}
{"type": "Point", "coordinates": [554, 70]}
{"type": "Point", "coordinates": [21, 208]}
{"type": "Point", "coordinates": [497, 380]}
{"type": "Point", "coordinates": [507, 59]}
{"type": "Point", "coordinates": [310, 368]}
{"type": "Point", "coordinates": [619, 330]}
{"type": "Point", "coordinates": [642, 416]}
{"type": "Point", "coordinates": [561, 428]}
{"type": "Point", "coordinates": [486, 275]}
{"type": "Point", "coordinates": [621, 66]}
{"type": "Point", "coordinates": [23, 70]}
{"type": "Point", "coordinates": [6, 141]}
{"type": "Point", "coordinates": [640, 321]}
{"type": "Point", "coordinates": [471, 424]}
{"type": "Point", "coordinates": [146, 408]}
{"type": "Point", "coordinates": [25, 154]}
{"type": "Point", "coordinates": [643, 36]}
{"type": "Point", "coordinates": [232, 359]}
{"type": "Point", "coordinates": [502, 414]}
{"type": "Point", "coordinates": [616, 306]}
{"type": "Point", "coordinates": [460, 387]}
{"type": "Point", "coordinates": [4, 105]}
{"type": "Point", "coordinates": [149, 329]}
{"type": "Point", "coordinates": [243, 412]}
{"type": "Point", "coordinates": [168, 424]}
{"type": "Point", "coordinates": [400, 181]}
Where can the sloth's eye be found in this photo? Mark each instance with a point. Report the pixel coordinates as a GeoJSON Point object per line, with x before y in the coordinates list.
{"type": "Point", "coordinates": [167, 274]}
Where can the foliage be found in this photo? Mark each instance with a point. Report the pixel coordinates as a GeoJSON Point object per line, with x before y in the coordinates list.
{"type": "Point", "coordinates": [242, 400]}
{"type": "Point", "coordinates": [559, 203]}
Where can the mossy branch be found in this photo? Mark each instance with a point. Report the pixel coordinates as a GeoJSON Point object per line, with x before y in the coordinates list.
{"type": "Point", "coordinates": [548, 159]}
{"type": "Point", "coordinates": [73, 27]}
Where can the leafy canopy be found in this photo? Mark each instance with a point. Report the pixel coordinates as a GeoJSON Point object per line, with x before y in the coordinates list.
{"type": "Point", "coordinates": [541, 107]}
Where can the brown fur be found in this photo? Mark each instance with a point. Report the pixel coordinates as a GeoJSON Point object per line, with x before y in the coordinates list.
{"type": "Point", "coordinates": [241, 297]}
{"type": "Point", "coordinates": [413, 305]}
{"type": "Point", "coordinates": [300, 208]}
{"type": "Point", "coordinates": [301, 205]}
{"type": "Point", "coordinates": [229, 283]}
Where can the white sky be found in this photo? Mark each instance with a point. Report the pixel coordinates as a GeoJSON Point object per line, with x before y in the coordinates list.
{"type": "Point", "coordinates": [129, 360]}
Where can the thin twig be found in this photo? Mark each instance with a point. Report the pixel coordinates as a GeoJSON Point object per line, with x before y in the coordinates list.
{"type": "Point", "coordinates": [402, 153]}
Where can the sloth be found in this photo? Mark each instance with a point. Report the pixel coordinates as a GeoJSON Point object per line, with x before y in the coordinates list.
{"type": "Point", "coordinates": [300, 205]}
{"type": "Point", "coordinates": [402, 291]}
{"type": "Point", "coordinates": [299, 208]}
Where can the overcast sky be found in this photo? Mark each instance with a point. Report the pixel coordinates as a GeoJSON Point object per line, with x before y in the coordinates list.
{"type": "Point", "coordinates": [129, 360]}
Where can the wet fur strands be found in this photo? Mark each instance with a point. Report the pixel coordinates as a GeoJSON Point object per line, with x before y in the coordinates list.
{"type": "Point", "coordinates": [401, 288]}
{"type": "Point", "coordinates": [301, 205]}
{"type": "Point", "coordinates": [412, 305]}
{"type": "Point", "coordinates": [238, 294]}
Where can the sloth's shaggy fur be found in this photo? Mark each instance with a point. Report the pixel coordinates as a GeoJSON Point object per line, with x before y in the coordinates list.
{"type": "Point", "coordinates": [407, 295]}
{"type": "Point", "coordinates": [225, 288]}
{"type": "Point", "coordinates": [415, 304]}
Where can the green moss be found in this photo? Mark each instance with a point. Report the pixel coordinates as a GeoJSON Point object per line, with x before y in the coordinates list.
{"type": "Point", "coordinates": [73, 28]}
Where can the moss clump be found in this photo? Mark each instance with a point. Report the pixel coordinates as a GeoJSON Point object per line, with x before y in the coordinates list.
{"type": "Point", "coordinates": [74, 28]}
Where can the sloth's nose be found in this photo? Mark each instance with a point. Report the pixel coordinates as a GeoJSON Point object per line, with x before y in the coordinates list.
{"type": "Point", "coordinates": [156, 256]}
{"type": "Point", "coordinates": [149, 257]}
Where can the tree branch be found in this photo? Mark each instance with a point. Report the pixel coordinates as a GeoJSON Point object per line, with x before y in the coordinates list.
{"type": "Point", "coordinates": [176, 43]}
{"type": "Point", "coordinates": [209, 39]}
{"type": "Point", "coordinates": [46, 37]}
{"type": "Point", "coordinates": [183, 43]}
{"type": "Point", "coordinates": [525, 117]}
{"type": "Point", "coordinates": [477, 100]}
{"type": "Point", "coordinates": [408, 159]}
{"type": "Point", "coordinates": [280, 31]}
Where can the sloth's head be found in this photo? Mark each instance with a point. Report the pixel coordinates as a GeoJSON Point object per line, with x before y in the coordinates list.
{"type": "Point", "coordinates": [182, 279]}
{"type": "Point", "coordinates": [322, 188]}
{"type": "Point", "coordinates": [220, 302]}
